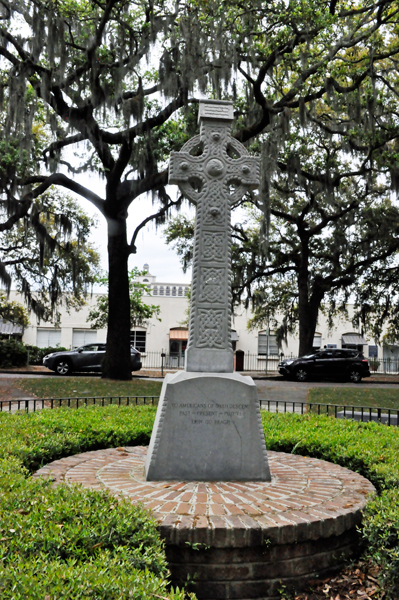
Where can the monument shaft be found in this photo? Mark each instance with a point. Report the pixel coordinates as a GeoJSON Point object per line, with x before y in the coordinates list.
{"type": "Point", "coordinates": [212, 170]}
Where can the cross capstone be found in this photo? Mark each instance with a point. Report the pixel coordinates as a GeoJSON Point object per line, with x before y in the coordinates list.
{"type": "Point", "coordinates": [214, 171]}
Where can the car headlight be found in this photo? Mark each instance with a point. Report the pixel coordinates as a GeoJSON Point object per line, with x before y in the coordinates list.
{"type": "Point", "coordinates": [48, 356]}
{"type": "Point", "coordinates": [289, 362]}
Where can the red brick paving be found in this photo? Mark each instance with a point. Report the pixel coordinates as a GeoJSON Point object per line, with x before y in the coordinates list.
{"type": "Point", "coordinates": [304, 494]}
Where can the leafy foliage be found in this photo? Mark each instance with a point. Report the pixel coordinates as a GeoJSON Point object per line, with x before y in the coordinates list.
{"type": "Point", "coordinates": [48, 255]}
{"type": "Point", "coordinates": [140, 312]}
{"type": "Point", "coordinates": [322, 243]}
{"type": "Point", "coordinates": [13, 353]}
{"type": "Point", "coordinates": [13, 311]}
{"type": "Point", "coordinates": [368, 448]}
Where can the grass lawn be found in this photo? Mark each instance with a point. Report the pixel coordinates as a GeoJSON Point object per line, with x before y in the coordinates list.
{"type": "Point", "coordinates": [64, 387]}
{"type": "Point", "coordinates": [380, 398]}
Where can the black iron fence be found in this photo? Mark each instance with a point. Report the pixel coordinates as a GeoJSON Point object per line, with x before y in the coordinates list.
{"type": "Point", "coordinates": [257, 362]}
{"type": "Point", "coordinates": [34, 404]}
{"type": "Point", "coordinates": [387, 416]}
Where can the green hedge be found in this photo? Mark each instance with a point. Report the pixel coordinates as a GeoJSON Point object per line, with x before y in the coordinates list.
{"type": "Point", "coordinates": [13, 353]}
{"type": "Point", "coordinates": [37, 354]}
{"type": "Point", "coordinates": [68, 542]}
{"type": "Point", "coordinates": [59, 536]}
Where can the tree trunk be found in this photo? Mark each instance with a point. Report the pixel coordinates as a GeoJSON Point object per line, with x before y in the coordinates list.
{"type": "Point", "coordinates": [117, 362]}
{"type": "Point", "coordinates": [308, 314]}
{"type": "Point", "coordinates": [308, 305]}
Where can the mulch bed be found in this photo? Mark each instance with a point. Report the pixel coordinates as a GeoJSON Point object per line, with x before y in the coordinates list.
{"type": "Point", "coordinates": [360, 581]}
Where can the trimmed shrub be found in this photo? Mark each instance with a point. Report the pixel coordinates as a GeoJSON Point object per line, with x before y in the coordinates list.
{"type": "Point", "coordinates": [13, 353]}
{"type": "Point", "coordinates": [37, 354]}
{"type": "Point", "coordinates": [70, 542]}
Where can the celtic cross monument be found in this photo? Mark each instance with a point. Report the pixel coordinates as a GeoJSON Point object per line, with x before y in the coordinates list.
{"type": "Point", "coordinates": [213, 180]}
{"type": "Point", "coordinates": [208, 424]}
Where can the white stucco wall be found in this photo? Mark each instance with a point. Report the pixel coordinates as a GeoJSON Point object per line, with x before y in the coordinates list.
{"type": "Point", "coordinates": [172, 314]}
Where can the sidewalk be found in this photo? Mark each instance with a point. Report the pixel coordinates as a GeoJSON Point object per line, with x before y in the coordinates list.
{"type": "Point", "coordinates": [157, 373]}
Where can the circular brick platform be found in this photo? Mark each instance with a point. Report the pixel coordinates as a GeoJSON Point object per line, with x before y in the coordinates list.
{"type": "Point", "coordinates": [238, 540]}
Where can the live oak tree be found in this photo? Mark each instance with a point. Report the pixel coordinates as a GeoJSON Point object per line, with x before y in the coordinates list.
{"type": "Point", "coordinates": [323, 242]}
{"type": "Point", "coordinates": [109, 75]}
{"type": "Point", "coordinates": [329, 70]}
{"type": "Point", "coordinates": [83, 65]}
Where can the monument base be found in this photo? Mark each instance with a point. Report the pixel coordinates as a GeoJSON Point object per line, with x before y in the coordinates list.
{"type": "Point", "coordinates": [208, 428]}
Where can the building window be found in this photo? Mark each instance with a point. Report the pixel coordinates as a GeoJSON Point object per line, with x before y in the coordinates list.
{"type": "Point", "coordinates": [161, 290]}
{"type": "Point", "coordinates": [180, 291]}
{"type": "Point", "coordinates": [174, 290]}
{"type": "Point", "coordinates": [167, 293]}
{"type": "Point", "coordinates": [81, 337]}
{"type": "Point", "coordinates": [48, 338]}
{"type": "Point", "coordinates": [186, 291]}
{"type": "Point", "coordinates": [146, 280]}
{"type": "Point", "coordinates": [373, 351]}
{"type": "Point", "coordinates": [138, 339]}
{"type": "Point", "coordinates": [155, 290]}
{"type": "Point", "coordinates": [266, 341]}
{"type": "Point", "coordinates": [316, 342]}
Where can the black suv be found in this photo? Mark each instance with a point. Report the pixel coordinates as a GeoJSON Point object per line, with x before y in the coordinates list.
{"type": "Point", "coordinates": [340, 364]}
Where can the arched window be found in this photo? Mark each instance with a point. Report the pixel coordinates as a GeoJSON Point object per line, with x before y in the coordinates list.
{"type": "Point", "coordinates": [161, 290]}
{"type": "Point", "coordinates": [180, 291]}
{"type": "Point", "coordinates": [146, 280]}
{"type": "Point", "coordinates": [155, 290]}
{"type": "Point", "coordinates": [167, 293]}
{"type": "Point", "coordinates": [174, 290]}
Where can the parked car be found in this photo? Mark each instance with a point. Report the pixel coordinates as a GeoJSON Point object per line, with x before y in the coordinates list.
{"type": "Point", "coordinates": [337, 364]}
{"type": "Point", "coordinates": [85, 358]}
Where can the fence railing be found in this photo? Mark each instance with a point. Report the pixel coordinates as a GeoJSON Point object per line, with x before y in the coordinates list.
{"type": "Point", "coordinates": [387, 416]}
{"type": "Point", "coordinates": [257, 362]}
{"type": "Point", "coordinates": [34, 404]}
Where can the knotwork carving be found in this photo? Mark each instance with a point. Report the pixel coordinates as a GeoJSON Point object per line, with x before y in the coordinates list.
{"type": "Point", "coordinates": [213, 246]}
{"type": "Point", "coordinates": [210, 288]}
{"type": "Point", "coordinates": [210, 328]}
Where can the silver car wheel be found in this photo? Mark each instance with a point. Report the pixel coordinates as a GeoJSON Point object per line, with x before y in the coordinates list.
{"type": "Point", "coordinates": [301, 374]}
{"type": "Point", "coordinates": [355, 376]}
{"type": "Point", "coordinates": [63, 367]}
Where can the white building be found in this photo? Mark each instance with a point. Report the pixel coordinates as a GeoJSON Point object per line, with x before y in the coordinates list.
{"type": "Point", "coordinates": [170, 334]}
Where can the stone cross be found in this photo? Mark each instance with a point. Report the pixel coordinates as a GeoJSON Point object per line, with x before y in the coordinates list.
{"type": "Point", "coordinates": [214, 171]}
